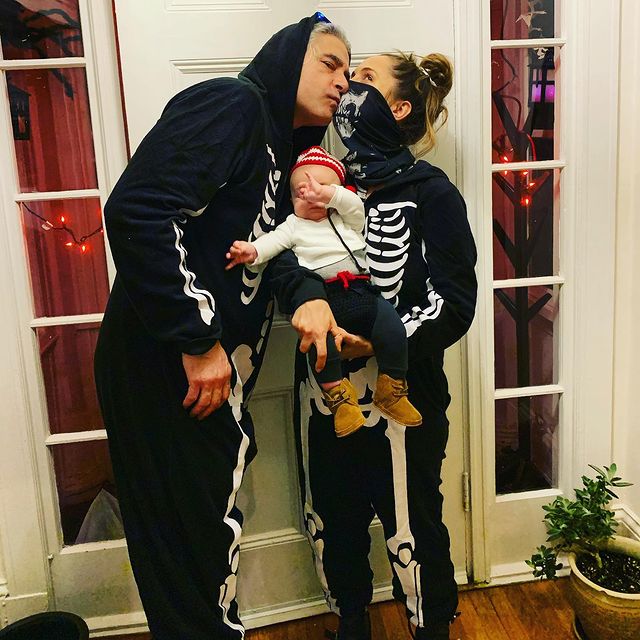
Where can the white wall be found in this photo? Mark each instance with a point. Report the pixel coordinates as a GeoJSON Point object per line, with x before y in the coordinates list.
{"type": "Point", "coordinates": [626, 415]}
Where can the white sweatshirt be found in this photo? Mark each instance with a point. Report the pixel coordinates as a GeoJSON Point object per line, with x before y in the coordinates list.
{"type": "Point", "coordinates": [315, 243]}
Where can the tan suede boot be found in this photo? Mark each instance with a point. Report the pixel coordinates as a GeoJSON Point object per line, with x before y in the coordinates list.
{"type": "Point", "coordinates": [391, 398]}
{"type": "Point", "coordinates": [342, 401]}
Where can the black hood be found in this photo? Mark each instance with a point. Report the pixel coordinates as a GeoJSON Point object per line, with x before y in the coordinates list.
{"type": "Point", "coordinates": [420, 171]}
{"type": "Point", "coordinates": [275, 70]}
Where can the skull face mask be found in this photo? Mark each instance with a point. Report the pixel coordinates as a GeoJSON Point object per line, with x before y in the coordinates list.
{"type": "Point", "coordinates": [368, 129]}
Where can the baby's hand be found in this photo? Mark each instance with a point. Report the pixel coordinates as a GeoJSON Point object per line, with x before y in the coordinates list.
{"type": "Point", "coordinates": [314, 192]}
{"type": "Point", "coordinates": [241, 252]}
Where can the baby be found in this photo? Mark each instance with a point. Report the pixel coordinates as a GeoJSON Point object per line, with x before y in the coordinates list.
{"type": "Point", "coordinates": [325, 233]}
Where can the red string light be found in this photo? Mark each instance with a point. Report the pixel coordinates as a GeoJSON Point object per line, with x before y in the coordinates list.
{"type": "Point", "coordinates": [47, 225]}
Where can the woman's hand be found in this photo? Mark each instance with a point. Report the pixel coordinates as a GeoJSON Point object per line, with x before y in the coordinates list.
{"type": "Point", "coordinates": [352, 346]}
{"type": "Point", "coordinates": [241, 252]}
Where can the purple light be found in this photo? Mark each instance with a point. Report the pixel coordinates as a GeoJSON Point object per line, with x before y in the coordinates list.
{"type": "Point", "coordinates": [536, 92]}
{"type": "Point", "coordinates": [550, 93]}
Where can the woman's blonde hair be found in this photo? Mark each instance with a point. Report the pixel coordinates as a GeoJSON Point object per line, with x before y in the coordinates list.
{"type": "Point", "coordinates": [424, 84]}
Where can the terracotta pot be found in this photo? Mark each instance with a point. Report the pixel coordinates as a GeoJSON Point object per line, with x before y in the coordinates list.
{"type": "Point", "coordinates": [605, 614]}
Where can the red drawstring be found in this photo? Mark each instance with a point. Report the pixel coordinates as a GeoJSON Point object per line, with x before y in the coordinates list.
{"type": "Point", "coordinates": [346, 277]}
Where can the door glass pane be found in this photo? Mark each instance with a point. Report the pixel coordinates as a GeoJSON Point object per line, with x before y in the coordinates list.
{"type": "Point", "coordinates": [89, 510]}
{"type": "Point", "coordinates": [524, 93]}
{"type": "Point", "coordinates": [526, 443]}
{"type": "Point", "coordinates": [526, 223]}
{"type": "Point", "coordinates": [526, 336]}
{"type": "Point", "coordinates": [52, 129]}
{"type": "Point", "coordinates": [66, 357]}
{"type": "Point", "coordinates": [67, 263]}
{"type": "Point", "coordinates": [40, 29]}
{"type": "Point", "coordinates": [520, 19]}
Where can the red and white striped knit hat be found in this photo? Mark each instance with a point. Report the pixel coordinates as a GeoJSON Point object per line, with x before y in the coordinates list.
{"type": "Point", "coordinates": [317, 155]}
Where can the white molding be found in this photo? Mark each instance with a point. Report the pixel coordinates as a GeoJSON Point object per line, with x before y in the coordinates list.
{"type": "Point", "coordinates": [591, 117]}
{"type": "Point", "coordinates": [630, 519]}
{"type": "Point", "coordinates": [58, 321]}
{"type": "Point", "coordinates": [14, 608]}
{"type": "Point", "coordinates": [22, 543]}
{"type": "Point", "coordinates": [532, 43]}
{"type": "Point", "coordinates": [38, 196]}
{"type": "Point", "coordinates": [232, 66]}
{"type": "Point", "coordinates": [523, 392]}
{"type": "Point", "coordinates": [75, 437]}
{"type": "Point", "coordinates": [176, 6]}
{"type": "Point", "coordinates": [550, 494]}
{"type": "Point", "coordinates": [516, 572]}
{"type": "Point", "coordinates": [528, 282]}
{"type": "Point", "coordinates": [537, 165]}
{"type": "Point", "coordinates": [364, 4]}
{"type": "Point", "coordinates": [219, 66]}
{"type": "Point", "coordinates": [42, 63]}
{"type": "Point", "coordinates": [118, 624]}
{"type": "Point", "coordinates": [473, 157]}
{"type": "Point", "coordinates": [105, 101]}
{"type": "Point", "coordinates": [626, 442]}
{"type": "Point", "coordinates": [270, 539]}
{"type": "Point", "coordinates": [131, 623]}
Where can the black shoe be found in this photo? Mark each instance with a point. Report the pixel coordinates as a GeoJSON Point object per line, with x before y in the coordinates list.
{"type": "Point", "coordinates": [434, 632]}
{"type": "Point", "coordinates": [354, 627]}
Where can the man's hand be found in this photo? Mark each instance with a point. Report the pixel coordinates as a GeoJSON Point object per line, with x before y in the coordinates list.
{"type": "Point", "coordinates": [241, 252]}
{"type": "Point", "coordinates": [314, 192]}
{"type": "Point", "coordinates": [352, 346]}
{"type": "Point", "coordinates": [313, 320]}
{"type": "Point", "coordinates": [209, 378]}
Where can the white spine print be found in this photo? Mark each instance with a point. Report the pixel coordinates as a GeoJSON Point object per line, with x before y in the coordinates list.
{"type": "Point", "coordinates": [264, 222]}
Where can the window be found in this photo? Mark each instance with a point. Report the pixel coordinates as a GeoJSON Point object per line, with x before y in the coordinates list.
{"type": "Point", "coordinates": [56, 211]}
{"type": "Point", "coordinates": [527, 183]}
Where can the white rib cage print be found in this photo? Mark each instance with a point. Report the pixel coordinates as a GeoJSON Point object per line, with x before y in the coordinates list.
{"type": "Point", "coordinates": [388, 236]}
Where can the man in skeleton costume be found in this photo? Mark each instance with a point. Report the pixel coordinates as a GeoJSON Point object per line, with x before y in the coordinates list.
{"type": "Point", "coordinates": [421, 255]}
{"type": "Point", "coordinates": [181, 335]}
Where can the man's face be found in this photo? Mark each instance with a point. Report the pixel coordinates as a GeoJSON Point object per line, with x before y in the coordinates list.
{"type": "Point", "coordinates": [323, 79]}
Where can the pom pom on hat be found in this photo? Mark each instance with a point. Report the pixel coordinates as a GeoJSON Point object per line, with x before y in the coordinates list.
{"type": "Point", "coordinates": [317, 155]}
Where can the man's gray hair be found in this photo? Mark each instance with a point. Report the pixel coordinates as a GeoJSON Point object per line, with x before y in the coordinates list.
{"type": "Point", "coordinates": [320, 28]}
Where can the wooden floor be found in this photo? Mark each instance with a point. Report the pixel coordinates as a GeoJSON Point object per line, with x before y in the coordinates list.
{"type": "Point", "coordinates": [531, 611]}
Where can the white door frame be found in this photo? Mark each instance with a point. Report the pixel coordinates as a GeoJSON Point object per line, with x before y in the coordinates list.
{"type": "Point", "coordinates": [589, 147]}
{"type": "Point", "coordinates": [29, 535]}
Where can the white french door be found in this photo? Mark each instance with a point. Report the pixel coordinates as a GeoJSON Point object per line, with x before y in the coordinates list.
{"type": "Point", "coordinates": [185, 43]}
{"type": "Point", "coordinates": [63, 149]}
{"type": "Point", "coordinates": [544, 182]}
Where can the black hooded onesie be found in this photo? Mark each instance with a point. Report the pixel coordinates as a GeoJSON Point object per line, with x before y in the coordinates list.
{"type": "Point", "coordinates": [213, 168]}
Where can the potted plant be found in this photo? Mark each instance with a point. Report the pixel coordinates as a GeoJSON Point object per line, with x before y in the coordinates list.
{"type": "Point", "coordinates": [604, 582]}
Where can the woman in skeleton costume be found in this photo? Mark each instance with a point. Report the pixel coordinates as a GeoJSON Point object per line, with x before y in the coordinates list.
{"type": "Point", "coordinates": [421, 255]}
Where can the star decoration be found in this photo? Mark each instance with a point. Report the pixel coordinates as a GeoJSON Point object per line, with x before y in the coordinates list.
{"type": "Point", "coordinates": [527, 17]}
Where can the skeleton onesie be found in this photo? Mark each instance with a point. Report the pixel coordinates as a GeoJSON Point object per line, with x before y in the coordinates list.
{"type": "Point", "coordinates": [421, 255]}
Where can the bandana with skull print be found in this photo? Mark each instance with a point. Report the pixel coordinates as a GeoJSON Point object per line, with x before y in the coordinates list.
{"type": "Point", "coordinates": [369, 131]}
